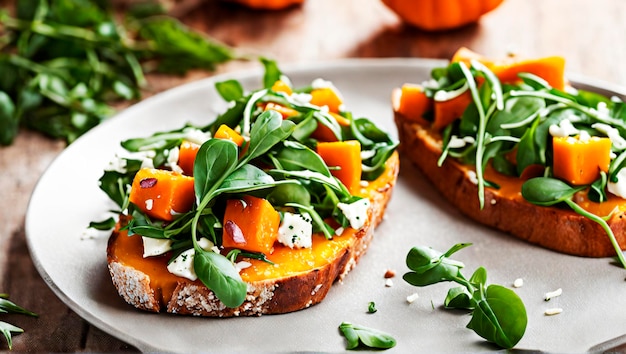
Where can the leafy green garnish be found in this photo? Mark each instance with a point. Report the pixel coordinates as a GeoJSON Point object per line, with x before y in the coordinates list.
{"type": "Point", "coordinates": [64, 70]}
{"type": "Point", "coordinates": [361, 336]}
{"type": "Point", "coordinates": [498, 314]}
{"type": "Point", "coordinates": [8, 307]}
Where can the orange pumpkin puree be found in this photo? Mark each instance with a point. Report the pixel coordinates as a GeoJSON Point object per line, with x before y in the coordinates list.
{"type": "Point", "coordinates": [287, 261]}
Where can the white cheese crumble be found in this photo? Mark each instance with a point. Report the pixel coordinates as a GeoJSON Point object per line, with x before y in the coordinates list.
{"type": "Point", "coordinates": [155, 246]}
{"type": "Point", "coordinates": [172, 159]}
{"type": "Point", "coordinates": [355, 212]}
{"type": "Point", "coordinates": [388, 283]}
{"type": "Point", "coordinates": [411, 298]}
{"type": "Point", "coordinates": [471, 175]}
{"type": "Point", "coordinates": [242, 265]}
{"type": "Point", "coordinates": [518, 283]}
{"type": "Point", "coordinates": [196, 136]}
{"type": "Point", "coordinates": [301, 98]}
{"type": "Point", "coordinates": [149, 204]}
{"type": "Point", "coordinates": [320, 83]}
{"type": "Point", "coordinates": [553, 311]}
{"type": "Point", "coordinates": [553, 294]}
{"type": "Point", "coordinates": [584, 136]}
{"type": "Point", "coordinates": [339, 231]}
{"type": "Point", "coordinates": [295, 230]}
{"type": "Point", "coordinates": [612, 133]}
{"type": "Point", "coordinates": [118, 162]}
{"type": "Point", "coordinates": [618, 188]}
{"type": "Point", "coordinates": [563, 129]}
{"type": "Point", "coordinates": [182, 266]}
{"type": "Point", "coordinates": [456, 142]}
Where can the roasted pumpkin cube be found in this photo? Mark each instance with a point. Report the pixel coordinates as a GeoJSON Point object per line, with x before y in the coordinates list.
{"type": "Point", "coordinates": [344, 159]}
{"type": "Point", "coordinates": [579, 161]}
{"type": "Point", "coordinates": [162, 194]}
{"type": "Point", "coordinates": [250, 224]}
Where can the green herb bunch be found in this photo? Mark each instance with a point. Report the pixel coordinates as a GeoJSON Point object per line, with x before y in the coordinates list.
{"type": "Point", "coordinates": [8, 307]}
{"type": "Point", "coordinates": [277, 162]}
{"type": "Point", "coordinates": [515, 119]}
{"type": "Point", "coordinates": [498, 314]}
{"type": "Point", "coordinates": [65, 63]}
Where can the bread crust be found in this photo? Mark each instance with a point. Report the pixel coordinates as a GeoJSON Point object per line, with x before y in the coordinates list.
{"type": "Point", "coordinates": [282, 295]}
{"type": "Point", "coordinates": [558, 229]}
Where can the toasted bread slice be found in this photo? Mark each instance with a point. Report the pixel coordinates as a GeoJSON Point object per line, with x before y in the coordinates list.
{"type": "Point", "coordinates": [559, 229]}
{"type": "Point", "coordinates": [298, 279]}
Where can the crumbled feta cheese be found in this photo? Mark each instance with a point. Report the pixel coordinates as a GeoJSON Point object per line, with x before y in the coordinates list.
{"type": "Point", "coordinates": [553, 294]}
{"type": "Point", "coordinates": [149, 204]}
{"type": "Point", "coordinates": [242, 265]}
{"type": "Point", "coordinates": [172, 160]}
{"type": "Point", "coordinates": [388, 282]}
{"type": "Point", "coordinates": [518, 283]}
{"type": "Point", "coordinates": [90, 233]}
{"type": "Point", "coordinates": [563, 129]}
{"type": "Point", "coordinates": [301, 98]}
{"type": "Point", "coordinates": [430, 84]}
{"type": "Point", "coordinates": [612, 133]}
{"type": "Point", "coordinates": [339, 231]}
{"type": "Point", "coordinates": [553, 311]}
{"type": "Point", "coordinates": [355, 212]}
{"type": "Point", "coordinates": [364, 184]}
{"type": "Point", "coordinates": [118, 163]}
{"type": "Point", "coordinates": [471, 175]}
{"type": "Point", "coordinates": [411, 298]}
{"type": "Point", "coordinates": [584, 136]}
{"type": "Point", "coordinates": [296, 230]}
{"type": "Point", "coordinates": [618, 188]}
{"type": "Point", "coordinates": [320, 83]}
{"type": "Point", "coordinates": [155, 246]}
{"type": "Point", "coordinates": [196, 136]}
{"type": "Point", "coordinates": [456, 142]}
{"type": "Point", "coordinates": [182, 266]}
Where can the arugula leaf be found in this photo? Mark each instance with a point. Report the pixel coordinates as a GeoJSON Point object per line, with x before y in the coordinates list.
{"type": "Point", "coordinates": [364, 336]}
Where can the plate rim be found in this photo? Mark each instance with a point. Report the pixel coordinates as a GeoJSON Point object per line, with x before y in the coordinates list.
{"type": "Point", "coordinates": [290, 69]}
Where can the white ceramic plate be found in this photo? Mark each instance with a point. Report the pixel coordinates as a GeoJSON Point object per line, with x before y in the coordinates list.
{"type": "Point", "coordinates": [67, 198]}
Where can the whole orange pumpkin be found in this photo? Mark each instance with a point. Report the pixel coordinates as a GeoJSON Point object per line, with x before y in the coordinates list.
{"type": "Point", "coordinates": [268, 4]}
{"type": "Point", "coordinates": [438, 15]}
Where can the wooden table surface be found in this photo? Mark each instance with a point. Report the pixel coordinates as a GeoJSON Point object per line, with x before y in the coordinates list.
{"type": "Point", "coordinates": [589, 34]}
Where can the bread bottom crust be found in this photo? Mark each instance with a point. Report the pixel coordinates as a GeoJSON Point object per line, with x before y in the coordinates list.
{"type": "Point", "coordinates": [274, 296]}
{"type": "Point", "coordinates": [558, 229]}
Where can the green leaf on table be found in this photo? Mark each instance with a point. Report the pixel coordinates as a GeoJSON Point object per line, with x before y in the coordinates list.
{"type": "Point", "coordinates": [7, 330]}
{"type": "Point", "coordinates": [500, 318]}
{"type": "Point", "coordinates": [361, 336]}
